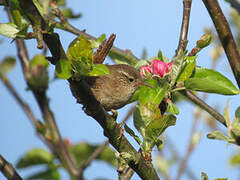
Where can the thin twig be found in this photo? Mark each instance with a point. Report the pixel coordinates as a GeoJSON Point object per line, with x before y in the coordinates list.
{"type": "Point", "coordinates": [175, 153]}
{"type": "Point", "coordinates": [93, 156]}
{"type": "Point", "coordinates": [182, 44]}
{"type": "Point", "coordinates": [8, 170]}
{"type": "Point", "coordinates": [69, 28]}
{"type": "Point", "coordinates": [189, 151]}
{"type": "Point", "coordinates": [40, 95]}
{"type": "Point", "coordinates": [22, 104]}
{"type": "Point", "coordinates": [225, 36]}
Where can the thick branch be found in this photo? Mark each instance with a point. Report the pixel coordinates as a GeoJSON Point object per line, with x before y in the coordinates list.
{"type": "Point", "coordinates": [225, 36]}
{"type": "Point", "coordinates": [8, 170]}
{"type": "Point", "coordinates": [113, 131]}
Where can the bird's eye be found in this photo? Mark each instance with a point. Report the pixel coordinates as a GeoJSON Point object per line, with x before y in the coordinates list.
{"type": "Point", "coordinates": [131, 79]}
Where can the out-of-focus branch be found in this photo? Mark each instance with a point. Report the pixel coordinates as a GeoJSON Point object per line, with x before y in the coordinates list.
{"type": "Point", "coordinates": [8, 170]}
{"type": "Point", "coordinates": [92, 157]}
{"type": "Point", "coordinates": [182, 44]}
{"type": "Point", "coordinates": [27, 110]}
{"type": "Point", "coordinates": [40, 95]}
{"type": "Point", "coordinates": [175, 153]}
{"type": "Point", "coordinates": [189, 151]}
{"type": "Point", "coordinates": [225, 36]}
{"type": "Point", "coordinates": [235, 4]}
{"type": "Point", "coordinates": [22, 104]}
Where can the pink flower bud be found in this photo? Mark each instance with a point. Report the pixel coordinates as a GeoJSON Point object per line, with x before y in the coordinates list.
{"type": "Point", "coordinates": [145, 71]}
{"type": "Point", "coordinates": [159, 68]}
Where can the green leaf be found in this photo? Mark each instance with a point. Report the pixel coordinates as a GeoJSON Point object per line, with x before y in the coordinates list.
{"type": "Point", "coordinates": [217, 135]}
{"type": "Point", "coordinates": [122, 59]}
{"type": "Point", "coordinates": [141, 63]}
{"type": "Point", "coordinates": [83, 150]}
{"type": "Point", "coordinates": [235, 160]}
{"type": "Point", "coordinates": [237, 112]}
{"type": "Point", "coordinates": [101, 38]}
{"type": "Point", "coordinates": [235, 133]}
{"type": "Point", "coordinates": [152, 95]}
{"type": "Point", "coordinates": [188, 69]}
{"type": "Point", "coordinates": [143, 115]}
{"type": "Point", "coordinates": [131, 133]}
{"type": "Point", "coordinates": [204, 176]}
{"type": "Point", "coordinates": [144, 53]}
{"type": "Point", "coordinates": [68, 13]}
{"type": "Point", "coordinates": [205, 40]}
{"type": "Point", "coordinates": [98, 70]}
{"type": "Point", "coordinates": [39, 7]}
{"type": "Point", "coordinates": [6, 65]}
{"type": "Point", "coordinates": [35, 156]}
{"type": "Point", "coordinates": [15, 12]}
{"type": "Point", "coordinates": [80, 54]}
{"type": "Point", "coordinates": [177, 66]}
{"type": "Point", "coordinates": [38, 74]}
{"type": "Point", "coordinates": [207, 80]}
{"type": "Point", "coordinates": [158, 126]}
{"type": "Point", "coordinates": [48, 174]}
{"type": "Point", "coordinates": [39, 60]}
{"type": "Point", "coordinates": [236, 121]}
{"type": "Point", "coordinates": [63, 69]}
{"type": "Point", "coordinates": [172, 108]}
{"type": "Point", "coordinates": [9, 30]}
{"type": "Point", "coordinates": [160, 56]}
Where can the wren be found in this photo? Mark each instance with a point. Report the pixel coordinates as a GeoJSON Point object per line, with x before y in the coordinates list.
{"type": "Point", "coordinates": [115, 90]}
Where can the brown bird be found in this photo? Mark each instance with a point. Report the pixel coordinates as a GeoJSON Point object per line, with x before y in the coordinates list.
{"type": "Point", "coordinates": [115, 90]}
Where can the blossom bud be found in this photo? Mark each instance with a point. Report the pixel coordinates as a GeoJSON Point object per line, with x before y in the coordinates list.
{"type": "Point", "coordinates": [159, 68]}
{"type": "Point", "coordinates": [145, 71]}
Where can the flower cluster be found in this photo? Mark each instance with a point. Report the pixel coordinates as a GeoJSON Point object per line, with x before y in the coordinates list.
{"type": "Point", "coordinates": [156, 68]}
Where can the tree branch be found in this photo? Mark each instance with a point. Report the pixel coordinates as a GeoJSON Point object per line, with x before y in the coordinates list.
{"type": "Point", "coordinates": [111, 129]}
{"type": "Point", "coordinates": [8, 170]}
{"type": "Point", "coordinates": [225, 36]}
{"type": "Point", "coordinates": [182, 44]}
{"type": "Point", "coordinates": [40, 94]}
{"type": "Point", "coordinates": [93, 156]}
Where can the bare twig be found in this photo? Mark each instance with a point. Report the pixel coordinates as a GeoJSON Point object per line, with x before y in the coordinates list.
{"type": "Point", "coordinates": [185, 24]}
{"type": "Point", "coordinates": [22, 104]}
{"type": "Point", "coordinates": [92, 157]}
{"type": "Point", "coordinates": [225, 36]}
{"type": "Point", "coordinates": [190, 148]}
{"type": "Point", "coordinates": [8, 170]}
{"type": "Point", "coordinates": [175, 153]}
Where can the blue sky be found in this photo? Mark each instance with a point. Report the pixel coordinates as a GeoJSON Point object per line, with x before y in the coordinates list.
{"type": "Point", "coordinates": [138, 24]}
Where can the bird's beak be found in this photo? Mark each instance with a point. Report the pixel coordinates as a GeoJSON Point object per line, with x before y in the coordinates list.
{"type": "Point", "coordinates": [142, 83]}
